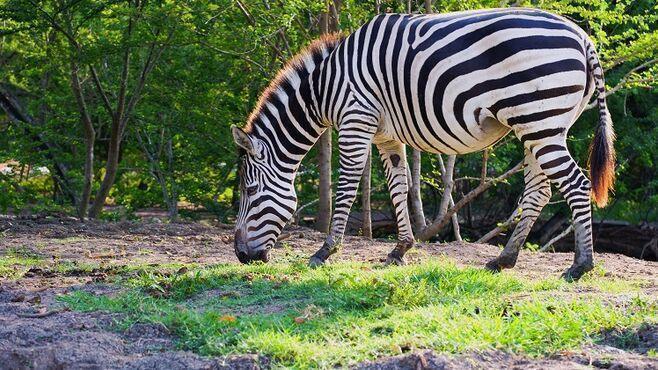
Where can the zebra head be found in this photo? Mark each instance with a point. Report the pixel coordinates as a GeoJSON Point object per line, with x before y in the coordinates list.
{"type": "Point", "coordinates": [267, 199]}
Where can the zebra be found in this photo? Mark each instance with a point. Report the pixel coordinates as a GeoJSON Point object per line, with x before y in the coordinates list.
{"type": "Point", "coordinates": [452, 83]}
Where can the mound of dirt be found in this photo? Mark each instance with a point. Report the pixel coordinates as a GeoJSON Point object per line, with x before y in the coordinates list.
{"type": "Point", "coordinates": [35, 333]}
{"type": "Point", "coordinates": [59, 339]}
{"type": "Point", "coordinates": [639, 340]}
{"type": "Point", "coordinates": [600, 358]}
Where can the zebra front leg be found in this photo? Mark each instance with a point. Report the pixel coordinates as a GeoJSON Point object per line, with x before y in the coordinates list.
{"type": "Point", "coordinates": [353, 146]}
{"type": "Point", "coordinates": [395, 167]}
{"type": "Point", "coordinates": [535, 196]}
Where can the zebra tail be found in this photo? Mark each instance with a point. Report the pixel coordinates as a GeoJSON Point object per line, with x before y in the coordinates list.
{"type": "Point", "coordinates": [601, 150]}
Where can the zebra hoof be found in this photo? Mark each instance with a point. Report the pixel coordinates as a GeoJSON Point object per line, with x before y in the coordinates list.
{"type": "Point", "coordinates": [395, 261]}
{"type": "Point", "coordinates": [575, 272]}
{"type": "Point", "coordinates": [315, 262]}
{"type": "Point", "coordinates": [504, 261]}
{"type": "Point", "coordinates": [493, 266]}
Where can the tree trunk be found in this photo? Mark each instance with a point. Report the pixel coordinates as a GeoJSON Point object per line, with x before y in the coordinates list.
{"type": "Point", "coordinates": [124, 108]}
{"type": "Point", "coordinates": [119, 118]}
{"type": "Point", "coordinates": [111, 167]}
{"type": "Point", "coordinates": [447, 174]}
{"type": "Point", "coordinates": [365, 198]}
{"type": "Point", "coordinates": [89, 137]}
{"type": "Point", "coordinates": [324, 167]}
{"type": "Point", "coordinates": [447, 171]}
{"type": "Point", "coordinates": [324, 163]}
{"type": "Point", "coordinates": [415, 201]}
{"type": "Point", "coordinates": [173, 199]}
{"type": "Point", "coordinates": [455, 222]}
{"type": "Point", "coordinates": [328, 23]}
{"type": "Point", "coordinates": [163, 175]}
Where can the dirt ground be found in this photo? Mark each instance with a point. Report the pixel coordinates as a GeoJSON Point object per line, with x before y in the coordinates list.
{"type": "Point", "coordinates": [34, 333]}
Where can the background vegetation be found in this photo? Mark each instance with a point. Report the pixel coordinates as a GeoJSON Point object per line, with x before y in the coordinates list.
{"type": "Point", "coordinates": [129, 102]}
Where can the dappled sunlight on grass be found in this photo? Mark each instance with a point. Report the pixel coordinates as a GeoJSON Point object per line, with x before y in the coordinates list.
{"type": "Point", "coordinates": [349, 312]}
{"type": "Point", "coordinates": [16, 261]}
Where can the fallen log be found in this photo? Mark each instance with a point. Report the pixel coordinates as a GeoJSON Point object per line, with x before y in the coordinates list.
{"type": "Point", "coordinates": [638, 241]}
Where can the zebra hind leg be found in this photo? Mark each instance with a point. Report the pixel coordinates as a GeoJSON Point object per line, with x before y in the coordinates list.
{"type": "Point", "coordinates": [535, 196]}
{"type": "Point", "coordinates": [395, 167]}
{"type": "Point", "coordinates": [563, 171]}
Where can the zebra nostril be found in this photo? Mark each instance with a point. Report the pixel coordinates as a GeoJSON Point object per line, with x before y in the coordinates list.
{"type": "Point", "coordinates": [264, 255]}
{"type": "Point", "coordinates": [243, 257]}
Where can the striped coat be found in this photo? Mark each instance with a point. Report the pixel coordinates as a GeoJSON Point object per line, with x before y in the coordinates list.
{"type": "Point", "coordinates": [454, 83]}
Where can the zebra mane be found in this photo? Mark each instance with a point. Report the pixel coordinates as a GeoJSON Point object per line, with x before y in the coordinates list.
{"type": "Point", "coordinates": [303, 62]}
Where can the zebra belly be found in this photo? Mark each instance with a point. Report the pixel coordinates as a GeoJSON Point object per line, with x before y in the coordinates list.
{"type": "Point", "coordinates": [488, 133]}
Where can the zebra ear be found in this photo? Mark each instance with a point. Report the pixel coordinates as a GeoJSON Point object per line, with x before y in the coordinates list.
{"type": "Point", "coordinates": [242, 139]}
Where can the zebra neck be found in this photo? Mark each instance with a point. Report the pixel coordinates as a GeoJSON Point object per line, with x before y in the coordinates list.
{"type": "Point", "coordinates": [288, 125]}
{"type": "Point", "coordinates": [290, 117]}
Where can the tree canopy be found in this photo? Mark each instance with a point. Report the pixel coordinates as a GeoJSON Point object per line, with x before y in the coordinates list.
{"type": "Point", "coordinates": [130, 102]}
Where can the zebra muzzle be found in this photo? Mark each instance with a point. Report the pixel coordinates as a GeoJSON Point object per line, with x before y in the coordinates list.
{"type": "Point", "coordinates": [246, 254]}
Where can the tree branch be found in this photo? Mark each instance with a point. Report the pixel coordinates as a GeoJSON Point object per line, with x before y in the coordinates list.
{"type": "Point", "coordinates": [9, 103]}
{"type": "Point", "coordinates": [414, 192]}
{"type": "Point", "coordinates": [295, 216]}
{"type": "Point", "coordinates": [455, 222]}
{"type": "Point", "coordinates": [101, 91]}
{"type": "Point", "coordinates": [74, 43]}
{"type": "Point", "coordinates": [556, 239]}
{"type": "Point", "coordinates": [123, 82]}
{"type": "Point", "coordinates": [446, 176]}
{"type": "Point", "coordinates": [151, 60]}
{"type": "Point", "coordinates": [623, 81]}
{"type": "Point", "coordinates": [252, 21]}
{"type": "Point", "coordinates": [246, 13]}
{"type": "Point", "coordinates": [434, 229]}
{"type": "Point", "coordinates": [232, 53]}
{"type": "Point", "coordinates": [511, 221]}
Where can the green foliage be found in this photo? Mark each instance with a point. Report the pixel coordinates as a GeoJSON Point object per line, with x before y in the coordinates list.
{"type": "Point", "coordinates": [209, 77]}
{"type": "Point", "coordinates": [28, 196]}
{"type": "Point", "coordinates": [532, 246]}
{"type": "Point", "coordinates": [303, 317]}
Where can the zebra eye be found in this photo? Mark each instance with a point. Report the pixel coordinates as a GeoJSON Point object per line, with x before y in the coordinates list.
{"type": "Point", "coordinates": [261, 154]}
{"type": "Point", "coordinates": [251, 190]}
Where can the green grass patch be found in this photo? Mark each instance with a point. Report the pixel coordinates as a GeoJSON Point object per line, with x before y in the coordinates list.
{"type": "Point", "coordinates": [347, 312]}
{"type": "Point", "coordinates": [16, 261]}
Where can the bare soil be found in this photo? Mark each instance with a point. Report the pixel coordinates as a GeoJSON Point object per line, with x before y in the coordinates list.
{"type": "Point", "coordinates": [36, 333]}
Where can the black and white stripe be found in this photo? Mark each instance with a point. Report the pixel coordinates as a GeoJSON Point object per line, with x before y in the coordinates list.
{"type": "Point", "coordinates": [453, 83]}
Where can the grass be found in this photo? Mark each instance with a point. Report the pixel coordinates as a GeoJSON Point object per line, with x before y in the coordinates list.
{"type": "Point", "coordinates": [16, 261]}
{"type": "Point", "coordinates": [348, 312]}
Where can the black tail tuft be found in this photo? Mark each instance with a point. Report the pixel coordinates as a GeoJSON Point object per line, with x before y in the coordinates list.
{"type": "Point", "coordinates": [602, 149]}
{"type": "Point", "coordinates": [602, 161]}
